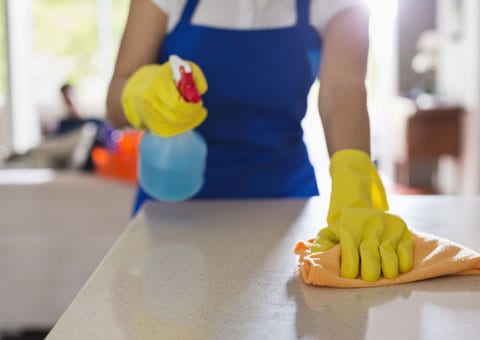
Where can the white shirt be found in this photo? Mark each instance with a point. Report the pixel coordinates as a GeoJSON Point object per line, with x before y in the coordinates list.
{"type": "Point", "coordinates": [253, 14]}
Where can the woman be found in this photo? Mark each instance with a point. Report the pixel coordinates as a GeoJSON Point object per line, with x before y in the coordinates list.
{"type": "Point", "coordinates": [260, 59]}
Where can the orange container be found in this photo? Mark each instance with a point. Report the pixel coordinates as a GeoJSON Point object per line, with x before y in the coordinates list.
{"type": "Point", "coordinates": [122, 163]}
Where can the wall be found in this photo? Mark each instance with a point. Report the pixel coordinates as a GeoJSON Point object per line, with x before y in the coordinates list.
{"type": "Point", "coordinates": [23, 118]}
{"type": "Point", "coordinates": [414, 17]}
{"type": "Point", "coordinates": [459, 77]}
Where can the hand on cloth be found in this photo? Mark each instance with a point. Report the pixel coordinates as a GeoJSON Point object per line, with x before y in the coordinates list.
{"type": "Point", "coordinates": [151, 101]}
{"type": "Point", "coordinates": [372, 241]}
{"type": "Point", "coordinates": [432, 257]}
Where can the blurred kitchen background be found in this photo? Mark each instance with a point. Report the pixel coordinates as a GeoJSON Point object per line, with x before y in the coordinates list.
{"type": "Point", "coordinates": [67, 178]}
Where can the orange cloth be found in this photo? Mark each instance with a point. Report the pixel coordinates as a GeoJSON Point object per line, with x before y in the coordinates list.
{"type": "Point", "coordinates": [432, 257]}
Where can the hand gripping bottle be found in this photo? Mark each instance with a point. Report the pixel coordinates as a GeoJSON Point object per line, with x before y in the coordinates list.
{"type": "Point", "coordinates": [172, 169]}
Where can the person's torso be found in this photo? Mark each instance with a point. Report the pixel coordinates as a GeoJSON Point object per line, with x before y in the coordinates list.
{"type": "Point", "coordinates": [258, 85]}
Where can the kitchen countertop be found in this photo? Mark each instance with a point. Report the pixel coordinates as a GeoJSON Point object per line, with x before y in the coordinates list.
{"type": "Point", "coordinates": [225, 269]}
{"type": "Point", "coordinates": [55, 227]}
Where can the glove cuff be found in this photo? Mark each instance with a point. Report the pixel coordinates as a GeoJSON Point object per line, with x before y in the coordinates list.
{"type": "Point", "coordinates": [355, 183]}
{"type": "Point", "coordinates": [349, 156]}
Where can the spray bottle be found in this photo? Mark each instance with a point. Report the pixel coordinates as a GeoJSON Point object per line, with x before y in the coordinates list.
{"type": "Point", "coordinates": [172, 169]}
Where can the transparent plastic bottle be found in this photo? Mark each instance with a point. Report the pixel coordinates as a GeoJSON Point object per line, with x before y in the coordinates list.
{"type": "Point", "coordinates": [172, 169]}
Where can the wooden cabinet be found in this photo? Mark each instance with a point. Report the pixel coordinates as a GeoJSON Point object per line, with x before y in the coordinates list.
{"type": "Point", "coordinates": [430, 134]}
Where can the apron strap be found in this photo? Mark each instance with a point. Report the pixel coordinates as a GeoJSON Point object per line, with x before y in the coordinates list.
{"type": "Point", "coordinates": [303, 13]}
{"type": "Point", "coordinates": [188, 12]}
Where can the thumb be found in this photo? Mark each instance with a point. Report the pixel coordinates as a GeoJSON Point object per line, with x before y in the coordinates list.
{"type": "Point", "coordinates": [199, 78]}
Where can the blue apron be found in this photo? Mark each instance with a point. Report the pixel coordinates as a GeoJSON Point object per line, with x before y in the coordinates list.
{"type": "Point", "coordinates": [258, 84]}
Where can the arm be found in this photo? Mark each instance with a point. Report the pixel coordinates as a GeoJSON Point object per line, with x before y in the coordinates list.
{"type": "Point", "coordinates": [372, 241]}
{"type": "Point", "coordinates": [342, 97]}
{"type": "Point", "coordinates": [143, 36]}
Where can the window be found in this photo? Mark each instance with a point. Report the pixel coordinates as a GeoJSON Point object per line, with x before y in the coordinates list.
{"type": "Point", "coordinates": [75, 42]}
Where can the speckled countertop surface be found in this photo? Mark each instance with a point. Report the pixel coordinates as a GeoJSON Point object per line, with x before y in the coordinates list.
{"type": "Point", "coordinates": [225, 270]}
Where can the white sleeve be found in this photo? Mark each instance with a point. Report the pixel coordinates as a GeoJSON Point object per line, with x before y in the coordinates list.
{"type": "Point", "coordinates": [173, 9]}
{"type": "Point", "coordinates": [322, 11]}
{"type": "Point", "coordinates": [164, 5]}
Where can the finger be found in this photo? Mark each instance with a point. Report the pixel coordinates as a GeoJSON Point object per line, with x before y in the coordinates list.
{"type": "Point", "coordinates": [181, 112]}
{"type": "Point", "coordinates": [322, 245]}
{"type": "Point", "coordinates": [370, 260]}
{"type": "Point", "coordinates": [164, 89]}
{"type": "Point", "coordinates": [193, 121]}
{"type": "Point", "coordinates": [190, 114]}
{"type": "Point", "coordinates": [350, 259]}
{"type": "Point", "coordinates": [199, 78]}
{"type": "Point", "coordinates": [166, 121]}
{"type": "Point", "coordinates": [405, 252]}
{"type": "Point", "coordinates": [396, 233]}
{"type": "Point", "coordinates": [168, 96]}
{"type": "Point", "coordinates": [400, 239]}
{"type": "Point", "coordinates": [155, 120]}
{"type": "Point", "coordinates": [325, 240]}
{"type": "Point", "coordinates": [389, 260]}
{"type": "Point", "coordinates": [328, 234]}
{"type": "Point", "coordinates": [165, 128]}
{"type": "Point", "coordinates": [173, 108]}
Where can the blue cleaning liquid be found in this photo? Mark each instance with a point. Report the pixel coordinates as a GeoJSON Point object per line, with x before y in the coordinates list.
{"type": "Point", "coordinates": [172, 169]}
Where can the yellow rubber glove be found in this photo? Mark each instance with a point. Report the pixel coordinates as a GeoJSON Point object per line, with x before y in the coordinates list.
{"type": "Point", "coordinates": [151, 101]}
{"type": "Point", "coordinates": [372, 241]}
